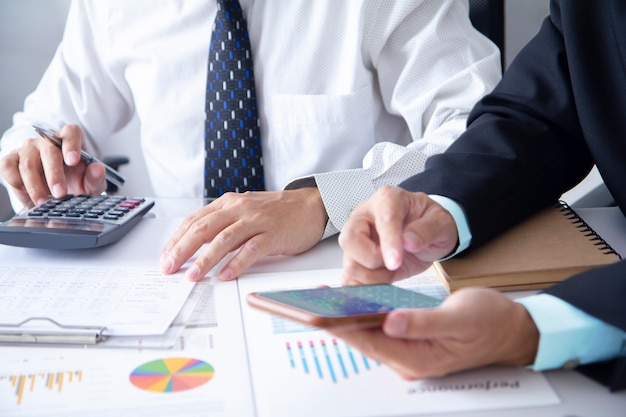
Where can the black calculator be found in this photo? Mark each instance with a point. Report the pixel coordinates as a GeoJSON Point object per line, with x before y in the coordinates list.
{"type": "Point", "coordinates": [74, 222]}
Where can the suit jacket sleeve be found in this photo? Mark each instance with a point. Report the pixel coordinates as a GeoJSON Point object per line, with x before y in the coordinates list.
{"type": "Point", "coordinates": [558, 110]}
{"type": "Point", "coordinates": [523, 147]}
{"type": "Point", "coordinates": [526, 142]}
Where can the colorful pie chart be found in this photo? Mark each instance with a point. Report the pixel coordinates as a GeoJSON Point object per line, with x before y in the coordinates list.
{"type": "Point", "coordinates": [171, 374]}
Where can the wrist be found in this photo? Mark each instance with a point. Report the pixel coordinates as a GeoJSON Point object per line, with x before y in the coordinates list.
{"type": "Point", "coordinates": [312, 199]}
{"type": "Point", "coordinates": [524, 341]}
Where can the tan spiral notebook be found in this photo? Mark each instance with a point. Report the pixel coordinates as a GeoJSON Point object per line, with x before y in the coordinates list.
{"type": "Point", "coordinates": [552, 245]}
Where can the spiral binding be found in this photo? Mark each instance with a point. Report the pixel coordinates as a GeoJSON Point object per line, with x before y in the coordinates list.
{"type": "Point", "coordinates": [586, 229]}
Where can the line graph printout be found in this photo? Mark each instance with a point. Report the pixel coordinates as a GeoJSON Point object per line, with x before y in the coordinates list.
{"type": "Point", "coordinates": [127, 301]}
{"type": "Point", "coordinates": [293, 366]}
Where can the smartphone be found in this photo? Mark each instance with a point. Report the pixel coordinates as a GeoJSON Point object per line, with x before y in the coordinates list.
{"type": "Point", "coordinates": [352, 307]}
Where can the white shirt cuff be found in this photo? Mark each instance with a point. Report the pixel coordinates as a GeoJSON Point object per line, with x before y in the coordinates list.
{"type": "Point", "coordinates": [341, 192]}
{"type": "Point", "coordinates": [338, 195]}
{"type": "Point", "coordinates": [457, 213]}
{"type": "Point", "coordinates": [569, 336]}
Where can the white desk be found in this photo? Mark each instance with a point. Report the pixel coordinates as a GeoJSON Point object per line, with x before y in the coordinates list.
{"type": "Point", "coordinates": [579, 396]}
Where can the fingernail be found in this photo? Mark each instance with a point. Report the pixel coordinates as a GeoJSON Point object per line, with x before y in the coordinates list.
{"type": "Point", "coordinates": [392, 259]}
{"type": "Point", "coordinates": [58, 190]}
{"type": "Point", "coordinates": [226, 274]}
{"type": "Point", "coordinates": [72, 158]}
{"type": "Point", "coordinates": [396, 324]}
{"type": "Point", "coordinates": [167, 264]}
{"type": "Point", "coordinates": [411, 241]}
{"type": "Point", "coordinates": [193, 273]}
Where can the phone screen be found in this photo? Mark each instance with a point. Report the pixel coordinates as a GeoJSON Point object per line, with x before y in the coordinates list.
{"type": "Point", "coordinates": [352, 300]}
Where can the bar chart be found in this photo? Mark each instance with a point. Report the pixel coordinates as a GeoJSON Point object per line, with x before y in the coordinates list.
{"type": "Point", "coordinates": [327, 359]}
{"type": "Point", "coordinates": [31, 384]}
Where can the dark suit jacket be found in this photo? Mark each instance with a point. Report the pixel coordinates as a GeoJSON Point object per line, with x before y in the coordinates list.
{"type": "Point", "coordinates": [560, 108]}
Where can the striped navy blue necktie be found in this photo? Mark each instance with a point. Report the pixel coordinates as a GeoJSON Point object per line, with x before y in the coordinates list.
{"type": "Point", "coordinates": [233, 160]}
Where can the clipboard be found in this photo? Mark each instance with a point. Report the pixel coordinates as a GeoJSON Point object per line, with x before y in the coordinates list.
{"type": "Point", "coordinates": [56, 334]}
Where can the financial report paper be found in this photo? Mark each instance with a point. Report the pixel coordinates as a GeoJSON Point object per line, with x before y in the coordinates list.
{"type": "Point", "coordinates": [126, 300]}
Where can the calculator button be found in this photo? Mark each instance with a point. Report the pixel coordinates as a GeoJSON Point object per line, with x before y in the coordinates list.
{"type": "Point", "coordinates": [87, 208]}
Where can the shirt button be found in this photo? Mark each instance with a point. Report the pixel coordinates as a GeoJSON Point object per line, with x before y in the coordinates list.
{"type": "Point", "coordinates": [571, 364]}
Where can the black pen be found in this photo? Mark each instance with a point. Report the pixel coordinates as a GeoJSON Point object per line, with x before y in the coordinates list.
{"type": "Point", "coordinates": [112, 175]}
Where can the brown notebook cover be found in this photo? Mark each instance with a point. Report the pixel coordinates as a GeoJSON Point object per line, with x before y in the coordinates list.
{"type": "Point", "coordinates": [547, 248]}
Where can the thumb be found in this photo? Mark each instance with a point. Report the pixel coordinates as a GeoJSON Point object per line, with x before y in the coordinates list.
{"type": "Point", "coordinates": [427, 323]}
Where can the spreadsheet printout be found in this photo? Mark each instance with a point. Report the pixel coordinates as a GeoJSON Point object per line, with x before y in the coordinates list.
{"type": "Point", "coordinates": [125, 300]}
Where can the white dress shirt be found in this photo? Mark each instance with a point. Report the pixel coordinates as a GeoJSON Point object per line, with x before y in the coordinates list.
{"type": "Point", "coordinates": [335, 79]}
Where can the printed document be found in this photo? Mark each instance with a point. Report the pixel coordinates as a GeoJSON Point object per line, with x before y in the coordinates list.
{"type": "Point", "coordinates": [294, 366]}
{"type": "Point", "coordinates": [126, 301]}
{"type": "Point", "coordinates": [235, 361]}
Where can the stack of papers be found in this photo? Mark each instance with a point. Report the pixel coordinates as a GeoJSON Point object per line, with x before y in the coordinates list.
{"type": "Point", "coordinates": [233, 360]}
{"type": "Point", "coordinates": [40, 304]}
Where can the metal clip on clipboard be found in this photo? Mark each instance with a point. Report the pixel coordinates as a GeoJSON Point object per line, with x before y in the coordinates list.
{"type": "Point", "coordinates": [58, 333]}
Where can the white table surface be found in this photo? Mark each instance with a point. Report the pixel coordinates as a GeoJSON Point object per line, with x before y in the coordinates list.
{"type": "Point", "coordinates": [580, 397]}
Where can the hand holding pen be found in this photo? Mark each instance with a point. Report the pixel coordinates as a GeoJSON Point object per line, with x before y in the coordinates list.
{"type": "Point", "coordinates": [112, 175]}
{"type": "Point", "coordinates": [39, 169]}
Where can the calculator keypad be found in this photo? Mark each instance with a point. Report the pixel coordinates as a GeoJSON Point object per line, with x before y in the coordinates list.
{"type": "Point", "coordinates": [86, 207]}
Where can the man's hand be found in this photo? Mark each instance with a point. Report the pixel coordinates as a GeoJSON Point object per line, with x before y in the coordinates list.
{"type": "Point", "coordinates": [472, 328]}
{"type": "Point", "coordinates": [39, 169]}
{"type": "Point", "coordinates": [256, 223]}
{"type": "Point", "coordinates": [393, 235]}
